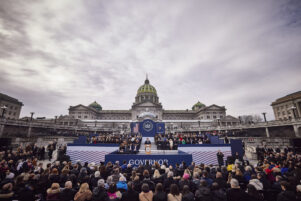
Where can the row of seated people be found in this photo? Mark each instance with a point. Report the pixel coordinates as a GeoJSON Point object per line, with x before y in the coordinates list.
{"type": "Point", "coordinates": [130, 145]}
{"type": "Point", "coordinates": [171, 141]}
{"type": "Point", "coordinates": [110, 138]}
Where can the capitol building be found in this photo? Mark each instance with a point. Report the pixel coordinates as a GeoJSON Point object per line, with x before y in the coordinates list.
{"type": "Point", "coordinates": [148, 106]}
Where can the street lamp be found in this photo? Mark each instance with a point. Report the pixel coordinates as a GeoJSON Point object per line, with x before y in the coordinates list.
{"type": "Point", "coordinates": [265, 119]}
{"type": "Point", "coordinates": [31, 115]}
{"type": "Point", "coordinates": [3, 110]}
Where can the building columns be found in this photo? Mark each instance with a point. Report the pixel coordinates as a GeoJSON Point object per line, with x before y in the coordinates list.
{"type": "Point", "coordinates": [1, 130]}
{"type": "Point", "coordinates": [29, 131]}
{"type": "Point", "coordinates": [267, 131]}
{"type": "Point", "coordinates": [296, 129]}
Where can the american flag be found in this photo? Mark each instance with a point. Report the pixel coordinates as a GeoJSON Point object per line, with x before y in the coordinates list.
{"type": "Point", "coordinates": [136, 128]}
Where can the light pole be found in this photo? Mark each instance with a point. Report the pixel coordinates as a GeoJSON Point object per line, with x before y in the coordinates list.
{"type": "Point", "coordinates": [265, 119]}
{"type": "Point", "coordinates": [31, 116]}
{"type": "Point", "coordinates": [3, 111]}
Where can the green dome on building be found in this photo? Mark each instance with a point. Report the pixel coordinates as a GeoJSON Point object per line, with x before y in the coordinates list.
{"type": "Point", "coordinates": [95, 106]}
{"type": "Point", "coordinates": [198, 105]}
{"type": "Point", "coordinates": [147, 88]}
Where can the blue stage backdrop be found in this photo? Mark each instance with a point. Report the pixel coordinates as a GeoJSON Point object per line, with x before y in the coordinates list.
{"type": "Point", "coordinates": [136, 160]}
{"type": "Point", "coordinates": [148, 128]}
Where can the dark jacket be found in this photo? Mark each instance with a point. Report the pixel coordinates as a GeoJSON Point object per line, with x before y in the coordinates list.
{"type": "Point", "coordinates": [130, 195]}
{"type": "Point", "coordinates": [99, 193]}
{"type": "Point", "coordinates": [203, 194]}
{"type": "Point", "coordinates": [67, 194]}
{"type": "Point", "coordinates": [286, 196]}
{"type": "Point", "coordinates": [188, 197]}
{"type": "Point", "coordinates": [236, 194]}
{"type": "Point", "coordinates": [160, 196]}
{"type": "Point", "coordinates": [221, 182]}
{"type": "Point", "coordinates": [219, 195]}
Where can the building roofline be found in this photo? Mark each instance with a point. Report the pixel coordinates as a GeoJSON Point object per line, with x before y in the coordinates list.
{"type": "Point", "coordinates": [11, 99]}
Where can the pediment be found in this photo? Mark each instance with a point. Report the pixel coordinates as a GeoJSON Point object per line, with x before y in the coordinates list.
{"type": "Point", "coordinates": [215, 107]}
{"type": "Point", "coordinates": [80, 107]}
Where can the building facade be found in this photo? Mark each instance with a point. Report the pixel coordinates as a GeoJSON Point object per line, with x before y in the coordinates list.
{"type": "Point", "coordinates": [148, 106]}
{"type": "Point", "coordinates": [287, 107]}
{"type": "Point", "coordinates": [10, 108]}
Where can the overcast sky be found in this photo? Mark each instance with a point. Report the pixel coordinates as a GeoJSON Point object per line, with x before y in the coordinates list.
{"type": "Point", "coordinates": [238, 54]}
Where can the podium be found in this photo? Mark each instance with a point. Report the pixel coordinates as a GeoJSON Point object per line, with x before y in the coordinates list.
{"type": "Point", "coordinates": [148, 148]}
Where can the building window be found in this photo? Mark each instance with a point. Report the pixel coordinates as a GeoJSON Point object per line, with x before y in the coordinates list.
{"type": "Point", "coordinates": [283, 113]}
{"type": "Point", "coordinates": [221, 116]}
{"type": "Point", "coordinates": [278, 113]}
{"type": "Point", "coordinates": [16, 108]}
{"type": "Point", "coordinates": [85, 117]}
{"type": "Point", "coordinates": [214, 117]}
{"type": "Point", "coordinates": [14, 113]}
{"type": "Point", "coordinates": [208, 117]}
{"type": "Point", "coordinates": [79, 117]}
{"type": "Point", "coordinates": [9, 113]}
{"type": "Point", "coordinates": [11, 107]}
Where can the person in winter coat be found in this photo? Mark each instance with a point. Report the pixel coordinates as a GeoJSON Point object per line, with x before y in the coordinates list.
{"type": "Point", "coordinates": [146, 194]}
{"type": "Point", "coordinates": [187, 194]}
{"type": "Point", "coordinates": [159, 195]}
{"type": "Point", "coordinates": [130, 194]}
{"type": "Point", "coordinates": [253, 193]}
{"type": "Point", "coordinates": [203, 193]}
{"type": "Point", "coordinates": [174, 194]}
{"type": "Point", "coordinates": [256, 183]}
{"type": "Point", "coordinates": [285, 194]}
{"type": "Point", "coordinates": [235, 193]}
{"type": "Point", "coordinates": [68, 192]}
{"type": "Point", "coordinates": [99, 192]}
{"type": "Point", "coordinates": [53, 193]}
{"type": "Point", "coordinates": [83, 193]}
{"type": "Point", "coordinates": [113, 193]}
{"type": "Point", "coordinates": [122, 185]}
{"type": "Point", "coordinates": [218, 194]}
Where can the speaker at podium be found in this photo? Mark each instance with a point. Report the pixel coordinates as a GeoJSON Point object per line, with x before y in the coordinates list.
{"type": "Point", "coordinates": [148, 148]}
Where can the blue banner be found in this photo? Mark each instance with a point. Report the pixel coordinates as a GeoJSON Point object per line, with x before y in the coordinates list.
{"type": "Point", "coordinates": [147, 128]}
{"type": "Point", "coordinates": [136, 160]}
{"type": "Point", "coordinates": [160, 127]}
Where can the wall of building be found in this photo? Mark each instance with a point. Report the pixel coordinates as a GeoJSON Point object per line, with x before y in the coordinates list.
{"type": "Point", "coordinates": [12, 111]}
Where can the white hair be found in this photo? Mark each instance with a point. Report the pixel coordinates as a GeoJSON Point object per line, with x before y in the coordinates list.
{"type": "Point", "coordinates": [234, 183]}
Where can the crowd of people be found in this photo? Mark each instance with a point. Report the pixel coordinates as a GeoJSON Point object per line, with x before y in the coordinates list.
{"type": "Point", "coordinates": [171, 141]}
{"type": "Point", "coordinates": [23, 177]}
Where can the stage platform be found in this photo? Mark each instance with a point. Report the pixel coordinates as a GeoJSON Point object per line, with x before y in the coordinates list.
{"type": "Point", "coordinates": [199, 153]}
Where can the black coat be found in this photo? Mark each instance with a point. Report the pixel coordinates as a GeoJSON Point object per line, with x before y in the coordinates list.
{"type": "Point", "coordinates": [160, 196]}
{"type": "Point", "coordinates": [219, 195]}
{"type": "Point", "coordinates": [99, 193]}
{"type": "Point", "coordinates": [203, 194]}
{"type": "Point", "coordinates": [67, 194]}
{"type": "Point", "coordinates": [188, 197]}
{"type": "Point", "coordinates": [236, 194]}
{"type": "Point", "coordinates": [130, 195]}
{"type": "Point", "coordinates": [286, 196]}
